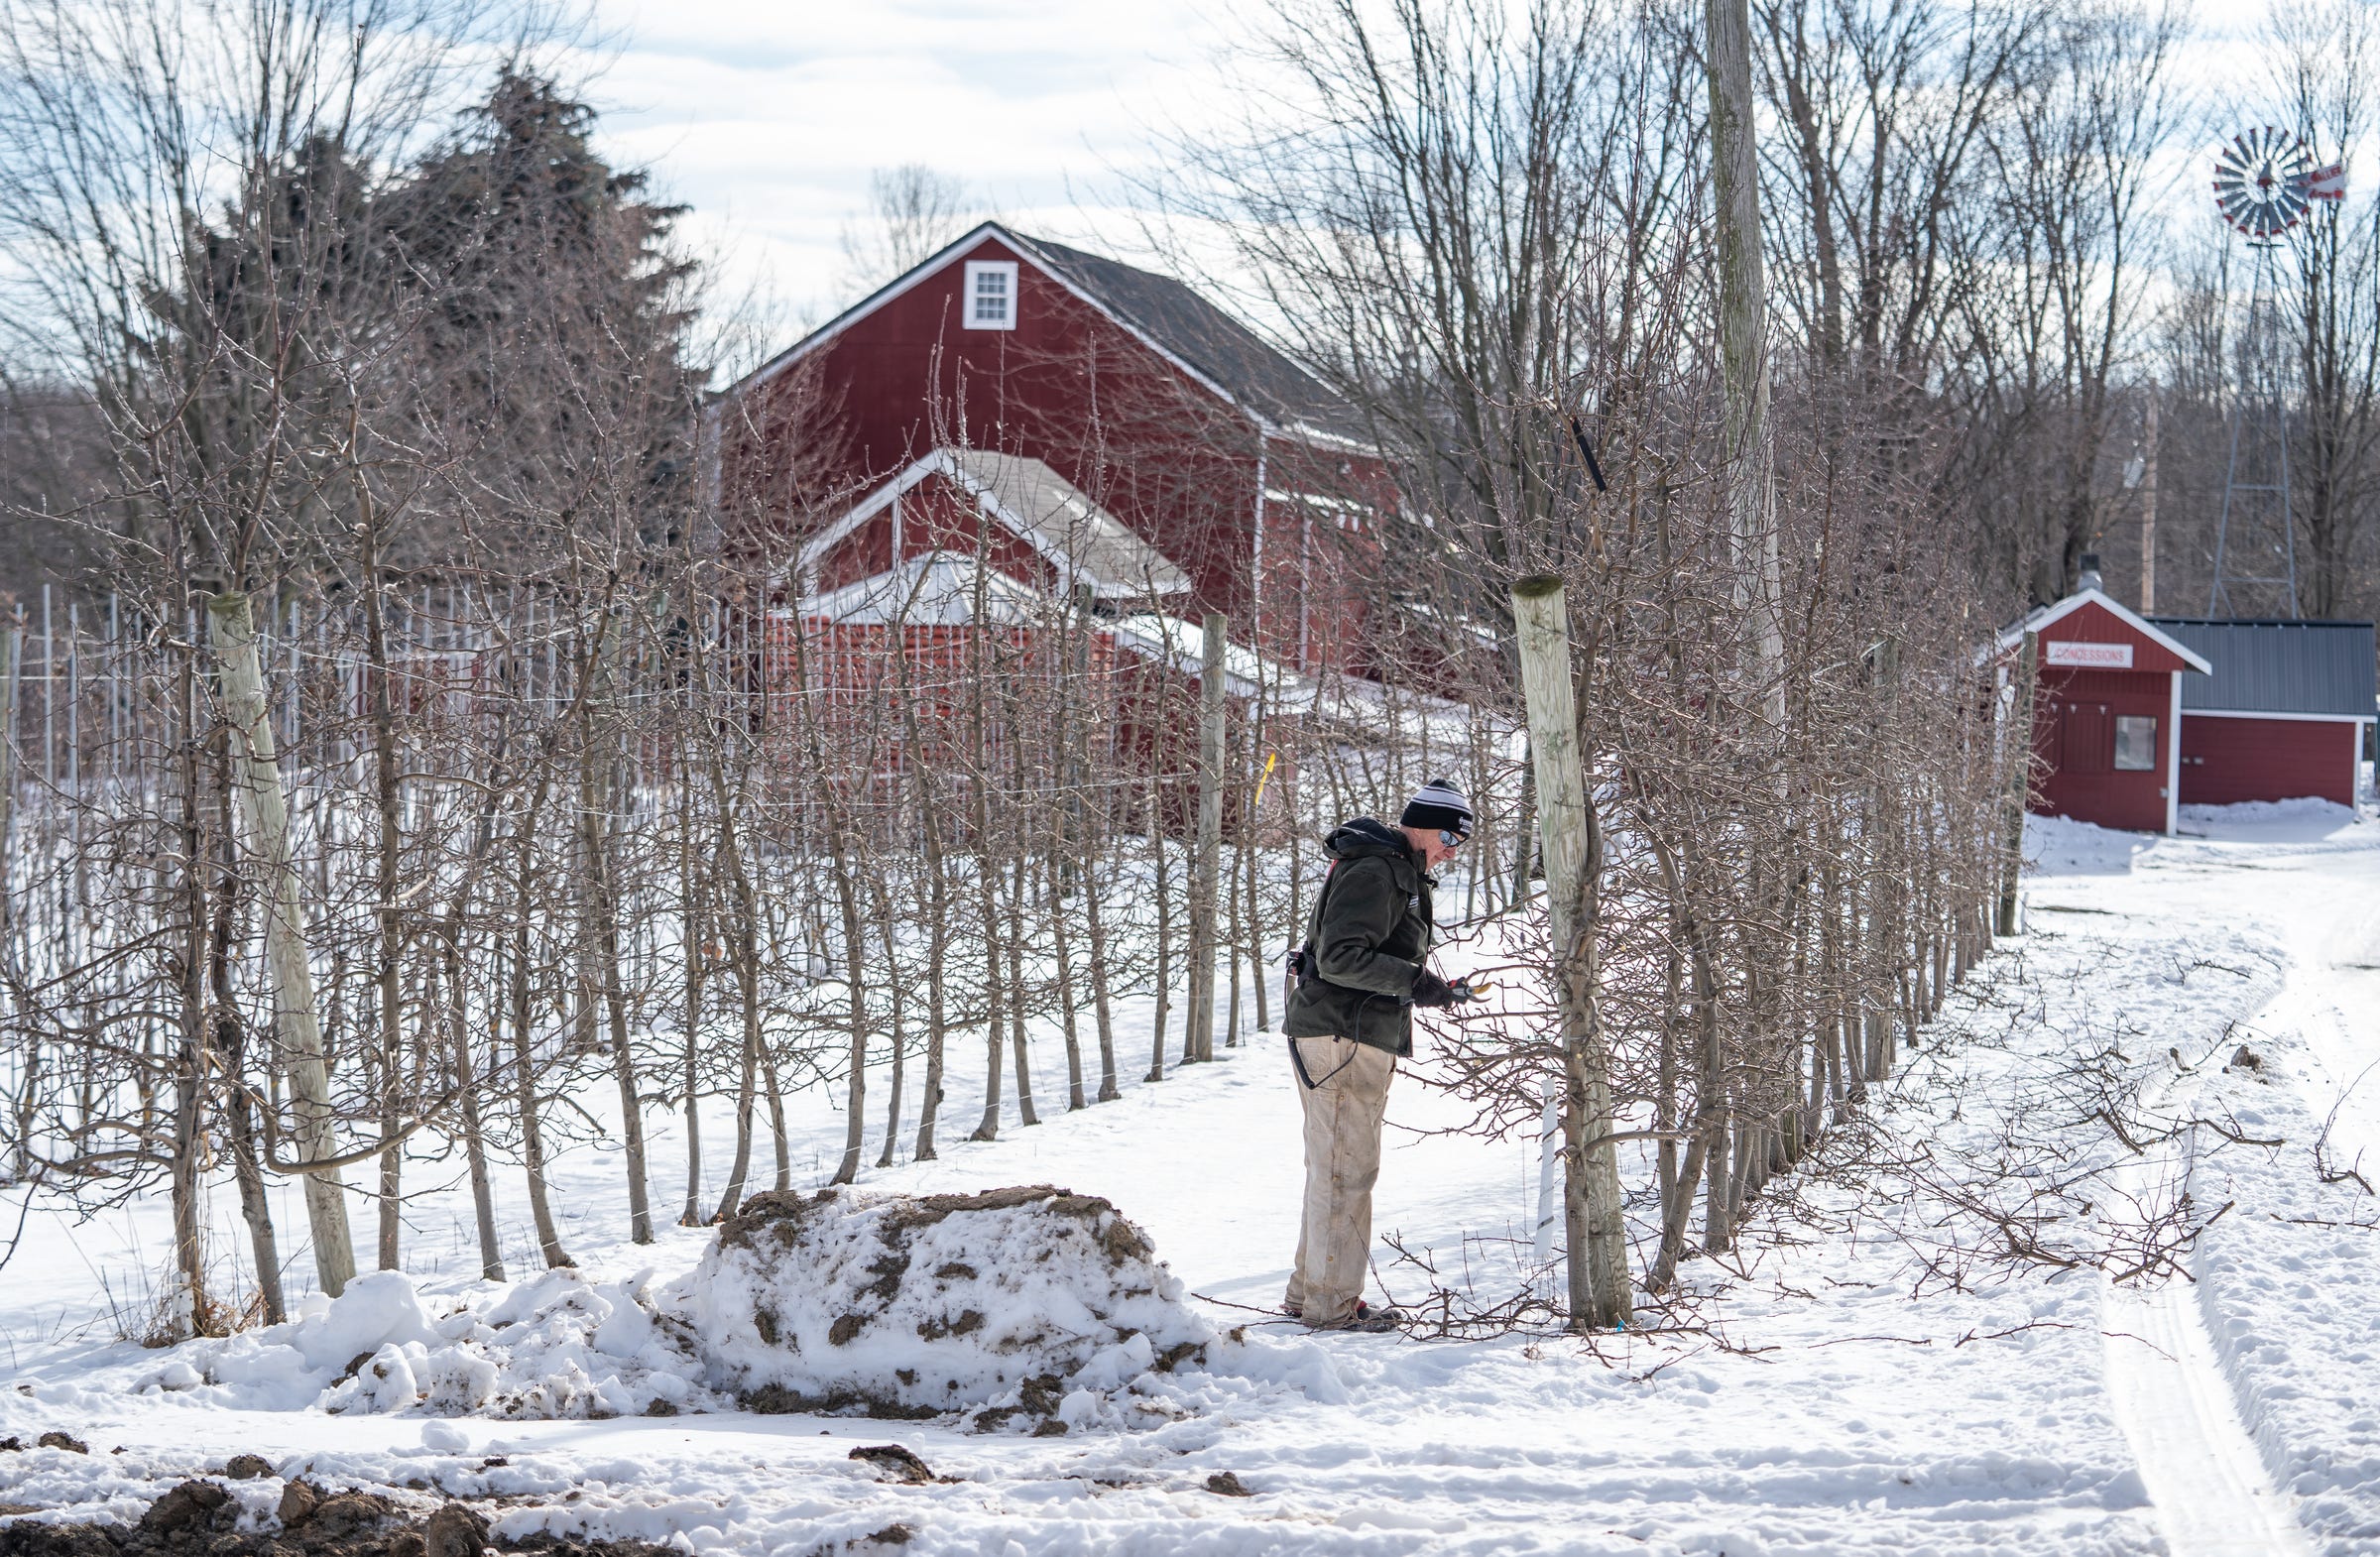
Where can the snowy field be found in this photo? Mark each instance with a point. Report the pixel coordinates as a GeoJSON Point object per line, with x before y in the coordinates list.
{"type": "Point", "coordinates": [1941, 1337]}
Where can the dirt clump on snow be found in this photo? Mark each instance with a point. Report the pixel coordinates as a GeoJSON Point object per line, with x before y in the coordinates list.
{"type": "Point", "coordinates": [899, 1462]}
{"type": "Point", "coordinates": [200, 1518]}
{"type": "Point", "coordinates": [1028, 1308]}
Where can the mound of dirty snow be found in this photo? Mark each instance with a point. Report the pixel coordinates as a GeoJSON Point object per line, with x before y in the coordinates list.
{"type": "Point", "coordinates": [1027, 1305]}
{"type": "Point", "coordinates": [559, 1345]}
{"type": "Point", "coordinates": [1023, 1308]}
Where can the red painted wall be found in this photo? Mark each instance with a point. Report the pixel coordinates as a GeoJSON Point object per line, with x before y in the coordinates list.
{"type": "Point", "coordinates": [1074, 388]}
{"type": "Point", "coordinates": [2226, 760]}
{"type": "Point", "coordinates": [2073, 738]}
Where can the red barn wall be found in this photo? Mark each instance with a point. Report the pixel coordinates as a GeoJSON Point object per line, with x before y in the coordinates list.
{"type": "Point", "coordinates": [2073, 736]}
{"type": "Point", "coordinates": [2227, 760]}
{"type": "Point", "coordinates": [1071, 386]}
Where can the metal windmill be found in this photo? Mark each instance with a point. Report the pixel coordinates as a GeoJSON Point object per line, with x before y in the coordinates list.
{"type": "Point", "coordinates": [2263, 181]}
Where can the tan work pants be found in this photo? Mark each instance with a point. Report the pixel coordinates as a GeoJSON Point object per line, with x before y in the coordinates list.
{"type": "Point", "coordinates": [1343, 1161]}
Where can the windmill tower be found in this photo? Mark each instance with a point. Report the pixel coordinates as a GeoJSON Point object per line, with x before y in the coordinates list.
{"type": "Point", "coordinates": [2263, 181]}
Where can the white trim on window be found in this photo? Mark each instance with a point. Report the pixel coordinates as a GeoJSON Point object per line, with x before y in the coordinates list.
{"type": "Point", "coordinates": [989, 302]}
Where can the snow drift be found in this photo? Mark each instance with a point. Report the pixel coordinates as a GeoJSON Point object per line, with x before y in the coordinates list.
{"type": "Point", "coordinates": [559, 1345]}
{"type": "Point", "coordinates": [1026, 1306]}
{"type": "Point", "coordinates": [1029, 1303]}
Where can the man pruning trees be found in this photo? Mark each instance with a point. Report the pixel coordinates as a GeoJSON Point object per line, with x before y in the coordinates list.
{"type": "Point", "coordinates": [1350, 1016]}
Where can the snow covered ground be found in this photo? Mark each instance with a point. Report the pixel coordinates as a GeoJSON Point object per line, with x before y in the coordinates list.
{"type": "Point", "coordinates": [1922, 1349]}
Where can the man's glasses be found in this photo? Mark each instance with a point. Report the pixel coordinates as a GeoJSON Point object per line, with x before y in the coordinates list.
{"type": "Point", "coordinates": [1449, 838]}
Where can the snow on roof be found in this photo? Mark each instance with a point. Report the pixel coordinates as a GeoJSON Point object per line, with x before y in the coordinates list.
{"type": "Point", "coordinates": [1409, 715]}
{"type": "Point", "coordinates": [1085, 543]}
{"type": "Point", "coordinates": [1045, 508]}
{"type": "Point", "coordinates": [1182, 646]}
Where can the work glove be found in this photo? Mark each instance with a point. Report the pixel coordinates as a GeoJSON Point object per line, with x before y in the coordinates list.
{"type": "Point", "coordinates": [1431, 990]}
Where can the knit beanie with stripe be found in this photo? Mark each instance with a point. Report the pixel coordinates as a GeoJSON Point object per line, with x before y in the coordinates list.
{"type": "Point", "coordinates": [1438, 804]}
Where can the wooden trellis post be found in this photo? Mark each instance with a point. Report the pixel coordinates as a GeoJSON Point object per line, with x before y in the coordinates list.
{"type": "Point", "coordinates": [1599, 1296]}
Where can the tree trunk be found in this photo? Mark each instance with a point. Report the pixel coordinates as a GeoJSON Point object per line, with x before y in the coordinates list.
{"type": "Point", "coordinates": [525, 1065]}
{"type": "Point", "coordinates": [265, 813]}
{"type": "Point", "coordinates": [896, 982]}
{"type": "Point", "coordinates": [466, 1084]}
{"type": "Point", "coordinates": [386, 780]}
{"type": "Point", "coordinates": [2020, 744]}
{"type": "Point", "coordinates": [1743, 344]}
{"type": "Point", "coordinates": [1600, 1295]}
{"type": "Point", "coordinates": [1065, 971]}
{"type": "Point", "coordinates": [1026, 1112]}
{"type": "Point", "coordinates": [1162, 890]}
{"type": "Point", "coordinates": [1198, 1033]}
{"type": "Point", "coordinates": [937, 952]}
{"type": "Point", "coordinates": [1109, 1092]}
{"type": "Point", "coordinates": [690, 943]}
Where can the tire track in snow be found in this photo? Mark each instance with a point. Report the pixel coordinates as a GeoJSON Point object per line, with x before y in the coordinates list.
{"type": "Point", "coordinates": [2203, 1471]}
{"type": "Point", "coordinates": [2206, 1479]}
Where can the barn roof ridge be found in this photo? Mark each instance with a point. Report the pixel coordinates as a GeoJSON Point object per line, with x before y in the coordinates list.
{"type": "Point", "coordinates": [1166, 314]}
{"type": "Point", "coordinates": [2041, 618]}
{"type": "Point", "coordinates": [2255, 621]}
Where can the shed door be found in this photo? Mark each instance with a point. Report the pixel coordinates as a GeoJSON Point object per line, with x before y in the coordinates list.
{"type": "Point", "coordinates": [2086, 738]}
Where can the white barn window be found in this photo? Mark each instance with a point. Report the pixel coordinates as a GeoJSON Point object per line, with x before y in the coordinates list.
{"type": "Point", "coordinates": [990, 301]}
{"type": "Point", "coordinates": [2135, 744]}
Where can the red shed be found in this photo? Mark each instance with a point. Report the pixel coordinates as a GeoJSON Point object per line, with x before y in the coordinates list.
{"type": "Point", "coordinates": [2282, 717]}
{"type": "Point", "coordinates": [2107, 713]}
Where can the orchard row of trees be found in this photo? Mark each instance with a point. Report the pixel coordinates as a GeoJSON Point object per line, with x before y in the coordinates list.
{"type": "Point", "coordinates": [412, 759]}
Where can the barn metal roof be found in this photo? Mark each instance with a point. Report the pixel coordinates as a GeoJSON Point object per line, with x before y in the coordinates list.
{"type": "Point", "coordinates": [1188, 326]}
{"type": "Point", "coordinates": [1224, 354]}
{"type": "Point", "coordinates": [2278, 667]}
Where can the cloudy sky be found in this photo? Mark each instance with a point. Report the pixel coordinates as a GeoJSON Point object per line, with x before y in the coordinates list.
{"type": "Point", "coordinates": [768, 117]}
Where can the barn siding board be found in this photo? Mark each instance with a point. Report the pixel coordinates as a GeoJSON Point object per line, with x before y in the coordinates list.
{"type": "Point", "coordinates": [2074, 714]}
{"type": "Point", "coordinates": [2228, 761]}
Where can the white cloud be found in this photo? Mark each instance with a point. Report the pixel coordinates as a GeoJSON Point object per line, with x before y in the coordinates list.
{"type": "Point", "coordinates": [769, 118]}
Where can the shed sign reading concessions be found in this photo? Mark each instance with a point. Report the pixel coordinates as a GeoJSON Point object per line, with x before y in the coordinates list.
{"type": "Point", "coordinates": [2096, 656]}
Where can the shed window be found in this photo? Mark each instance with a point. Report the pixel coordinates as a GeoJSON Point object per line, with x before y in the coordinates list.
{"type": "Point", "coordinates": [2135, 743]}
{"type": "Point", "coordinates": [990, 299]}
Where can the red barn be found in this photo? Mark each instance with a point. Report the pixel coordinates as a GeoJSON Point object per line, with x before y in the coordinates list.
{"type": "Point", "coordinates": [1165, 420]}
{"type": "Point", "coordinates": [2282, 715]}
{"type": "Point", "coordinates": [2107, 713]}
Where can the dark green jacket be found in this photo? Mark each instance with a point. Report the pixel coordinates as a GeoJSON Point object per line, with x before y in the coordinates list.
{"type": "Point", "coordinates": [1369, 931]}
